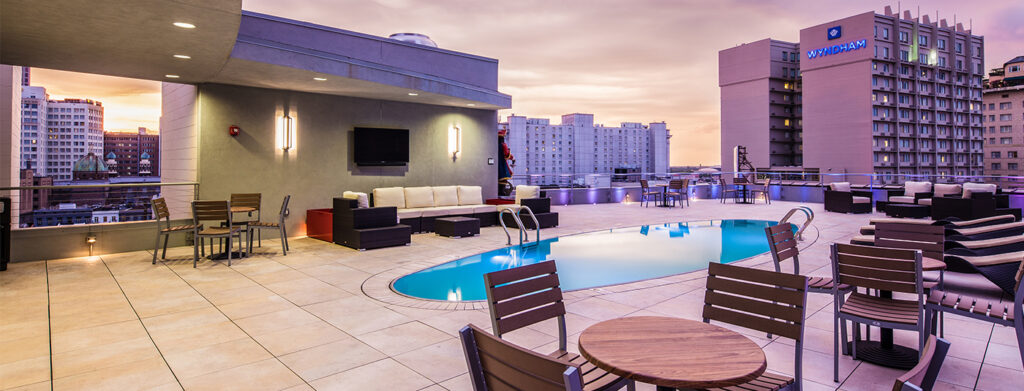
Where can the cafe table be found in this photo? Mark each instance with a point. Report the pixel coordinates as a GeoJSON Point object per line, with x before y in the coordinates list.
{"type": "Point", "coordinates": [672, 353]}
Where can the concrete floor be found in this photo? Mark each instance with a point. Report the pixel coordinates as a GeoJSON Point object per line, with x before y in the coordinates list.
{"type": "Point", "coordinates": [322, 316]}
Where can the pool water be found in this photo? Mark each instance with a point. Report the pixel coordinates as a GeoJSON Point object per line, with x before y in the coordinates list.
{"type": "Point", "coordinates": [600, 258]}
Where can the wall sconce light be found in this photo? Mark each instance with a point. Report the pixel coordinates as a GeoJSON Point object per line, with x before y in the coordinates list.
{"type": "Point", "coordinates": [286, 130]}
{"type": "Point", "coordinates": [454, 141]}
{"type": "Point", "coordinates": [90, 239]}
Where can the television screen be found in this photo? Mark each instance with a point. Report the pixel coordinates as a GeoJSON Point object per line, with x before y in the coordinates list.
{"type": "Point", "coordinates": [381, 147]}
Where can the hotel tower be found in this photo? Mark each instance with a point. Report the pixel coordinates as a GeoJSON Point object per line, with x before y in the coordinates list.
{"type": "Point", "coordinates": [871, 93]}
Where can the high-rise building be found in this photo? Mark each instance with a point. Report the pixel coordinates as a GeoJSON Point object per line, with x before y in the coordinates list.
{"type": "Point", "coordinates": [132, 153]}
{"type": "Point", "coordinates": [26, 76]}
{"type": "Point", "coordinates": [1004, 120]}
{"type": "Point", "coordinates": [32, 199]}
{"type": "Point", "coordinates": [561, 154]}
{"type": "Point", "coordinates": [57, 133]}
{"type": "Point", "coordinates": [871, 93]}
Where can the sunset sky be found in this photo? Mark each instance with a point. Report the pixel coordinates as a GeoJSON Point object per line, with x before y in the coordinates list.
{"type": "Point", "coordinates": [640, 60]}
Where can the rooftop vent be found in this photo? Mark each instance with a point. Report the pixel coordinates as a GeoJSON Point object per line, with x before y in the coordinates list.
{"type": "Point", "coordinates": [415, 38]}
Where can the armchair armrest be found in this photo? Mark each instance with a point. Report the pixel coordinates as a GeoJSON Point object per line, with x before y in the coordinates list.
{"type": "Point", "coordinates": [923, 195]}
{"type": "Point", "coordinates": [537, 205]}
{"type": "Point", "coordinates": [862, 193]}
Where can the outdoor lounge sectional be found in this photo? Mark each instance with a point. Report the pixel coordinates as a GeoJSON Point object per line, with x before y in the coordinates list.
{"type": "Point", "coordinates": [418, 207]}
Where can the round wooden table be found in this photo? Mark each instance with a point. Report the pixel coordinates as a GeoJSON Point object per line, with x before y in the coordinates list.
{"type": "Point", "coordinates": [672, 352]}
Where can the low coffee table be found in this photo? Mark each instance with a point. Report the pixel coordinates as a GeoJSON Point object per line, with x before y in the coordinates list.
{"type": "Point", "coordinates": [457, 227]}
{"type": "Point", "coordinates": [894, 209]}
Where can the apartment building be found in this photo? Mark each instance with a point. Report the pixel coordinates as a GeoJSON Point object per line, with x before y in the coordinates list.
{"type": "Point", "coordinates": [1004, 122]}
{"type": "Point", "coordinates": [57, 133]}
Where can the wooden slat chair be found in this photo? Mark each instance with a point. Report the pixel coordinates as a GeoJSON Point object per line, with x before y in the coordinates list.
{"type": "Point", "coordinates": [498, 365]}
{"type": "Point", "coordinates": [248, 200]}
{"type": "Point", "coordinates": [923, 375]}
{"type": "Point", "coordinates": [930, 239]}
{"type": "Point", "coordinates": [783, 246]}
{"type": "Point", "coordinates": [728, 186]}
{"type": "Point", "coordinates": [164, 228]}
{"type": "Point", "coordinates": [275, 225]}
{"type": "Point", "coordinates": [882, 269]}
{"type": "Point", "coordinates": [675, 192]}
{"type": "Point", "coordinates": [1001, 313]}
{"type": "Point", "coordinates": [761, 300]}
{"type": "Point", "coordinates": [646, 194]}
{"type": "Point", "coordinates": [219, 211]}
{"type": "Point", "coordinates": [531, 294]}
{"type": "Point", "coordinates": [764, 190]}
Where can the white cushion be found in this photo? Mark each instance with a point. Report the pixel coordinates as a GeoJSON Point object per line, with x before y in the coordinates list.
{"type": "Point", "coordinates": [410, 213]}
{"type": "Point", "coordinates": [910, 188]}
{"type": "Point", "coordinates": [389, 196]}
{"type": "Point", "coordinates": [484, 208]}
{"type": "Point", "coordinates": [419, 197]}
{"type": "Point", "coordinates": [861, 200]}
{"type": "Point", "coordinates": [513, 207]}
{"type": "Point", "coordinates": [925, 201]}
{"type": "Point", "coordinates": [470, 195]}
{"type": "Point", "coordinates": [524, 192]}
{"type": "Point", "coordinates": [362, 200]}
{"type": "Point", "coordinates": [978, 188]}
{"type": "Point", "coordinates": [947, 189]}
{"type": "Point", "coordinates": [447, 211]}
{"type": "Point", "coordinates": [445, 195]}
{"type": "Point", "coordinates": [840, 186]}
{"type": "Point", "coordinates": [902, 199]}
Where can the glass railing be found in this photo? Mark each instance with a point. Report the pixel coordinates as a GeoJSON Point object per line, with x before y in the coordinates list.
{"type": "Point", "coordinates": [82, 204]}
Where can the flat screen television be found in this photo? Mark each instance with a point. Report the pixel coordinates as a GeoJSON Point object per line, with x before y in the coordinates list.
{"type": "Point", "coordinates": [381, 147]}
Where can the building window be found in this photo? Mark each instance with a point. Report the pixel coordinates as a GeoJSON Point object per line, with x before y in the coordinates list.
{"type": "Point", "coordinates": [995, 166]}
{"type": "Point", "coordinates": [1011, 154]}
{"type": "Point", "coordinates": [1004, 105]}
{"type": "Point", "coordinates": [785, 56]}
{"type": "Point", "coordinates": [922, 40]}
{"type": "Point", "coordinates": [1005, 140]}
{"type": "Point", "coordinates": [942, 43]}
{"type": "Point", "coordinates": [1005, 117]}
{"type": "Point", "coordinates": [1012, 166]}
{"type": "Point", "coordinates": [959, 47]}
{"type": "Point", "coordinates": [904, 55]}
{"type": "Point", "coordinates": [885, 33]}
{"type": "Point", "coordinates": [904, 36]}
{"type": "Point", "coordinates": [1005, 129]}
{"type": "Point", "coordinates": [995, 154]}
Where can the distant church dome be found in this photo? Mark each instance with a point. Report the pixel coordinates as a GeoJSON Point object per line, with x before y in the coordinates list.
{"type": "Point", "coordinates": [90, 163]}
{"type": "Point", "coordinates": [418, 39]}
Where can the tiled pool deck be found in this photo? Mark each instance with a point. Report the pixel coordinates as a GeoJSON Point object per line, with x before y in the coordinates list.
{"type": "Point", "coordinates": [322, 317]}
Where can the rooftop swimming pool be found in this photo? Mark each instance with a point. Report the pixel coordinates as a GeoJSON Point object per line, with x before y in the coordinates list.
{"type": "Point", "coordinates": [600, 258]}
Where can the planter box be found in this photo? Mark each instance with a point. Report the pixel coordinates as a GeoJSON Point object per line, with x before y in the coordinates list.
{"type": "Point", "coordinates": [320, 224]}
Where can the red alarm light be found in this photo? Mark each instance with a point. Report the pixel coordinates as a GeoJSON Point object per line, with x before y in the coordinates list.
{"type": "Point", "coordinates": [233, 130]}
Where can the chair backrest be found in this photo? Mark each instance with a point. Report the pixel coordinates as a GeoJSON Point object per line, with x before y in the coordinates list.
{"type": "Point", "coordinates": [930, 239]}
{"type": "Point", "coordinates": [211, 210]}
{"type": "Point", "coordinates": [644, 185]}
{"type": "Point", "coordinates": [881, 268]}
{"type": "Point", "coordinates": [675, 184]}
{"type": "Point", "coordinates": [783, 245]}
{"type": "Point", "coordinates": [284, 209]}
{"type": "Point", "coordinates": [523, 296]}
{"type": "Point", "coordinates": [498, 365]}
{"type": "Point", "coordinates": [761, 300]}
{"type": "Point", "coordinates": [767, 184]}
{"type": "Point", "coordinates": [160, 210]}
{"type": "Point", "coordinates": [922, 376]}
{"type": "Point", "coordinates": [686, 183]}
{"type": "Point", "coordinates": [248, 200]}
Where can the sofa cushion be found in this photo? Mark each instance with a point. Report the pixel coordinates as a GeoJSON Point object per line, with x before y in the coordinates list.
{"type": "Point", "coordinates": [362, 200]}
{"type": "Point", "coordinates": [902, 199]}
{"type": "Point", "coordinates": [525, 192]}
{"type": "Point", "coordinates": [970, 188]}
{"type": "Point", "coordinates": [470, 195]}
{"type": "Point", "coordinates": [861, 200]}
{"type": "Point", "coordinates": [925, 201]}
{"type": "Point", "coordinates": [419, 197]}
{"type": "Point", "coordinates": [513, 207]}
{"type": "Point", "coordinates": [840, 186]}
{"type": "Point", "coordinates": [446, 195]}
{"type": "Point", "coordinates": [484, 208]}
{"type": "Point", "coordinates": [947, 189]}
{"type": "Point", "coordinates": [389, 196]}
{"type": "Point", "coordinates": [441, 211]}
{"type": "Point", "coordinates": [910, 188]}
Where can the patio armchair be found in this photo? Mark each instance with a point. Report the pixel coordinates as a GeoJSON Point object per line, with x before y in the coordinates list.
{"type": "Point", "coordinates": [923, 375]}
{"type": "Point", "coordinates": [531, 294]}
{"type": "Point", "coordinates": [213, 211]}
{"type": "Point", "coordinates": [763, 191]}
{"type": "Point", "coordinates": [368, 228]}
{"type": "Point", "coordinates": [728, 186]}
{"type": "Point", "coordinates": [274, 225]}
{"type": "Point", "coordinates": [840, 198]}
{"type": "Point", "coordinates": [677, 191]}
{"type": "Point", "coordinates": [498, 365]}
{"type": "Point", "coordinates": [247, 200]}
{"type": "Point", "coordinates": [646, 194]}
{"type": "Point", "coordinates": [530, 196]}
{"type": "Point", "coordinates": [911, 193]}
{"type": "Point", "coordinates": [761, 300]}
{"type": "Point", "coordinates": [938, 190]}
{"type": "Point", "coordinates": [976, 201]}
{"type": "Point", "coordinates": [887, 270]}
{"type": "Point", "coordinates": [164, 229]}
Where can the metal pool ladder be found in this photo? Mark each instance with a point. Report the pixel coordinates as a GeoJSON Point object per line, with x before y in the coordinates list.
{"type": "Point", "coordinates": [524, 237]}
{"type": "Point", "coordinates": [808, 212]}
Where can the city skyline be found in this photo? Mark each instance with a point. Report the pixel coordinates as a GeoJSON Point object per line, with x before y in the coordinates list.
{"type": "Point", "coordinates": [622, 62]}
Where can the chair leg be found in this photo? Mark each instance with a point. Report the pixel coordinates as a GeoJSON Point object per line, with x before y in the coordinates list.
{"type": "Point", "coordinates": [166, 239]}
{"type": "Point", "coordinates": [853, 341]}
{"type": "Point", "coordinates": [835, 346]}
{"type": "Point", "coordinates": [229, 248]}
{"type": "Point", "coordinates": [196, 245]}
{"type": "Point", "coordinates": [631, 386]}
{"type": "Point", "coordinates": [202, 245]}
{"type": "Point", "coordinates": [157, 248]}
{"type": "Point", "coordinates": [284, 242]}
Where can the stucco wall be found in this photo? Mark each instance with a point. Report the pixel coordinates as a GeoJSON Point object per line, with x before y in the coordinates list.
{"type": "Point", "coordinates": [320, 167]}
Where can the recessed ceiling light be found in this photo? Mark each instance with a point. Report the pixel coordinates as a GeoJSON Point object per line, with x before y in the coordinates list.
{"type": "Point", "coordinates": [172, 76]}
{"type": "Point", "coordinates": [471, 104]}
{"type": "Point", "coordinates": [413, 94]}
{"type": "Point", "coordinates": [182, 56]}
{"type": "Point", "coordinates": [185, 25]}
{"type": "Point", "coordinates": [319, 78]}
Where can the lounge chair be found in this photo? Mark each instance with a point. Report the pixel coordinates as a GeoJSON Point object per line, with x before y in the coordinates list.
{"type": "Point", "coordinates": [968, 230]}
{"type": "Point", "coordinates": [998, 268]}
{"type": "Point", "coordinates": [977, 200]}
{"type": "Point", "coordinates": [923, 375]}
{"type": "Point", "coordinates": [951, 223]}
{"type": "Point", "coordinates": [985, 232]}
{"type": "Point", "coordinates": [911, 193]}
{"type": "Point", "coordinates": [992, 246]}
{"type": "Point", "coordinates": [839, 197]}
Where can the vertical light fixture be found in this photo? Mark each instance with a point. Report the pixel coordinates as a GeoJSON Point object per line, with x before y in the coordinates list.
{"type": "Point", "coordinates": [454, 140]}
{"type": "Point", "coordinates": [286, 132]}
{"type": "Point", "coordinates": [90, 239]}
